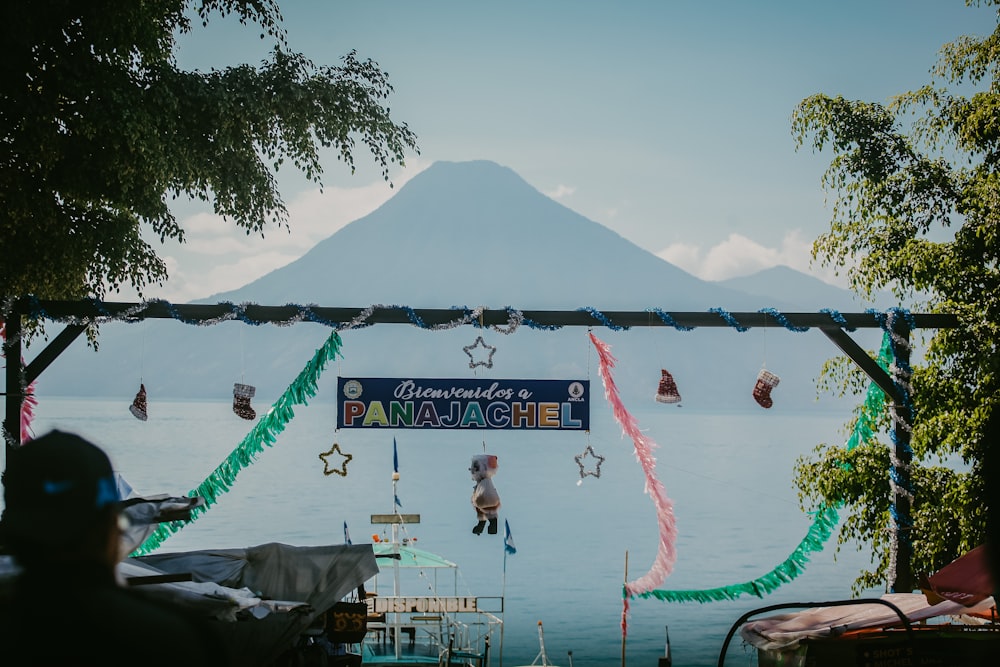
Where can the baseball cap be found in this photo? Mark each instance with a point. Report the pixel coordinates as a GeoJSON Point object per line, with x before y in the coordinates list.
{"type": "Point", "coordinates": [53, 486]}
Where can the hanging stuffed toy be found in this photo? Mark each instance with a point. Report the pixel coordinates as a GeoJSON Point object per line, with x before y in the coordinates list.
{"type": "Point", "coordinates": [485, 498]}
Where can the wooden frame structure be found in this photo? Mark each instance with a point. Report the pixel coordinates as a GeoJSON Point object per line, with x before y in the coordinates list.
{"type": "Point", "coordinates": [81, 314]}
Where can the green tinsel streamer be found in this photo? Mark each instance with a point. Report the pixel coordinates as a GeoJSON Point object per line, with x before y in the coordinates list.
{"type": "Point", "coordinates": [864, 428]}
{"type": "Point", "coordinates": [263, 433]}
{"type": "Point", "coordinates": [825, 520]}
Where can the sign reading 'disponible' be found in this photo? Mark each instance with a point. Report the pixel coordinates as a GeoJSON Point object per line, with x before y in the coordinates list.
{"type": "Point", "coordinates": [463, 403]}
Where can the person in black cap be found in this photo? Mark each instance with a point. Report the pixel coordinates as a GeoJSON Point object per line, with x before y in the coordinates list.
{"type": "Point", "coordinates": [61, 524]}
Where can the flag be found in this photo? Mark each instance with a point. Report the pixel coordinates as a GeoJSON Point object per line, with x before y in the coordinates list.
{"type": "Point", "coordinates": [508, 539]}
{"type": "Point", "coordinates": [395, 476]}
{"type": "Point", "coordinates": [347, 535]}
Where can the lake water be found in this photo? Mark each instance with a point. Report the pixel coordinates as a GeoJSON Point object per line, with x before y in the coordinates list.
{"type": "Point", "coordinates": [728, 475]}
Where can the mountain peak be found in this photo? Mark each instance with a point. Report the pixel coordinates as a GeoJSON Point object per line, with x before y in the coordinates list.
{"type": "Point", "coordinates": [467, 169]}
{"type": "Point", "coordinates": [476, 233]}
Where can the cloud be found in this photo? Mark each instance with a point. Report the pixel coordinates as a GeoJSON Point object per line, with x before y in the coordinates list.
{"type": "Point", "coordinates": [187, 286]}
{"type": "Point", "coordinates": [217, 256]}
{"type": "Point", "coordinates": [739, 256]}
{"type": "Point", "coordinates": [313, 215]}
{"type": "Point", "coordinates": [561, 191]}
{"type": "Point", "coordinates": [683, 255]}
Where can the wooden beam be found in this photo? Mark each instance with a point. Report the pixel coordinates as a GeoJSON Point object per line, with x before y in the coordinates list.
{"type": "Point", "coordinates": [51, 351]}
{"type": "Point", "coordinates": [864, 362]}
{"type": "Point", "coordinates": [134, 311]}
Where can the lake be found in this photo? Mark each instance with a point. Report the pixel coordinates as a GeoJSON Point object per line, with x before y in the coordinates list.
{"type": "Point", "coordinates": [729, 476]}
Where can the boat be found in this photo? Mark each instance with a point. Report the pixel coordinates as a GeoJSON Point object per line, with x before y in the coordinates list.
{"type": "Point", "coordinates": [416, 613]}
{"type": "Point", "coordinates": [952, 622]}
{"type": "Point", "coordinates": [263, 616]}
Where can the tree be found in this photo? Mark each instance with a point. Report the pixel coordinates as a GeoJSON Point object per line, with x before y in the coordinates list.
{"type": "Point", "coordinates": [100, 130]}
{"type": "Point", "coordinates": [917, 210]}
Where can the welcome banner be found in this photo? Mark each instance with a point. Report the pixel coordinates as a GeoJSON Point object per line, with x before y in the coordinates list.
{"type": "Point", "coordinates": [463, 403]}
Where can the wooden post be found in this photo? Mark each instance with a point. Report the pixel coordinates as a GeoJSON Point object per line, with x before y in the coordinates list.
{"type": "Point", "coordinates": [15, 383]}
{"type": "Point", "coordinates": [901, 567]}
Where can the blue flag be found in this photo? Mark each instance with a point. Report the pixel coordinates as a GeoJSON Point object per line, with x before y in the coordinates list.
{"type": "Point", "coordinates": [508, 539]}
{"type": "Point", "coordinates": [395, 469]}
{"type": "Point", "coordinates": [347, 535]}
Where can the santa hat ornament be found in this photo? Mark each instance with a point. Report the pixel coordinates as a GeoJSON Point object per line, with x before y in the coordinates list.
{"type": "Point", "coordinates": [766, 381]}
{"type": "Point", "coordinates": [138, 407]}
{"type": "Point", "coordinates": [667, 392]}
{"type": "Point", "coordinates": [242, 393]}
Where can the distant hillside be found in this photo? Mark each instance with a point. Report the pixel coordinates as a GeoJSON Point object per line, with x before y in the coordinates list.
{"type": "Point", "coordinates": [472, 233]}
{"type": "Point", "coordinates": [803, 291]}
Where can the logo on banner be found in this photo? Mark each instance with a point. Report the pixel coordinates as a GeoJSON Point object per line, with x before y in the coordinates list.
{"type": "Point", "coordinates": [463, 403]}
{"type": "Point", "coordinates": [353, 389]}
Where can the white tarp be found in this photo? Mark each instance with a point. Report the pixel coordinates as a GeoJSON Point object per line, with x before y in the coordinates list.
{"type": "Point", "coordinates": [280, 589]}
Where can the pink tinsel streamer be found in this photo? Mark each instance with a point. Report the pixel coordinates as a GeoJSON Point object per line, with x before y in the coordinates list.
{"type": "Point", "coordinates": [28, 413]}
{"type": "Point", "coordinates": [29, 403]}
{"type": "Point", "coordinates": [666, 555]}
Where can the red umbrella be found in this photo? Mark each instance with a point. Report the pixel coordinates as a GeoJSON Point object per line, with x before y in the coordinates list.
{"type": "Point", "coordinates": [966, 580]}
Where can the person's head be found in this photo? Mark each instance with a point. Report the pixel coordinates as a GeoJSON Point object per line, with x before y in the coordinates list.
{"type": "Point", "coordinates": [61, 501]}
{"type": "Point", "coordinates": [483, 466]}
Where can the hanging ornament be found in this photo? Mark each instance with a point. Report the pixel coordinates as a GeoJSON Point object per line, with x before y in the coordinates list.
{"type": "Point", "coordinates": [766, 381]}
{"type": "Point", "coordinates": [667, 392]}
{"type": "Point", "coordinates": [242, 393]}
{"type": "Point", "coordinates": [342, 470]}
{"type": "Point", "coordinates": [472, 359]}
{"type": "Point", "coordinates": [485, 499]}
{"type": "Point", "coordinates": [138, 407]}
{"type": "Point", "coordinates": [596, 472]}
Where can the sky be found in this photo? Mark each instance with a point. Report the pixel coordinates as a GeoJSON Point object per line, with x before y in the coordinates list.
{"type": "Point", "coordinates": [667, 121]}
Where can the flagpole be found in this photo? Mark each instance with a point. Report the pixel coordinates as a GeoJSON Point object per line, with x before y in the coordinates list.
{"type": "Point", "coordinates": [623, 610]}
{"type": "Point", "coordinates": [503, 601]}
{"type": "Point", "coordinates": [508, 548]}
{"type": "Point", "coordinates": [395, 541]}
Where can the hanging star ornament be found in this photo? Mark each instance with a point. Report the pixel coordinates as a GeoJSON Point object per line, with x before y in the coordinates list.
{"type": "Point", "coordinates": [596, 472]}
{"type": "Point", "coordinates": [342, 470]}
{"type": "Point", "coordinates": [489, 357]}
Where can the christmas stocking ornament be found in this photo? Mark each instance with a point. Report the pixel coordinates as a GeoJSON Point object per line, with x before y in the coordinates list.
{"type": "Point", "coordinates": [242, 393]}
{"type": "Point", "coordinates": [667, 392]}
{"type": "Point", "coordinates": [138, 407]}
{"type": "Point", "coordinates": [766, 381]}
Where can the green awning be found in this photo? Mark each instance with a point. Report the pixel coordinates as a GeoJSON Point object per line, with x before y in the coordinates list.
{"type": "Point", "coordinates": [408, 556]}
